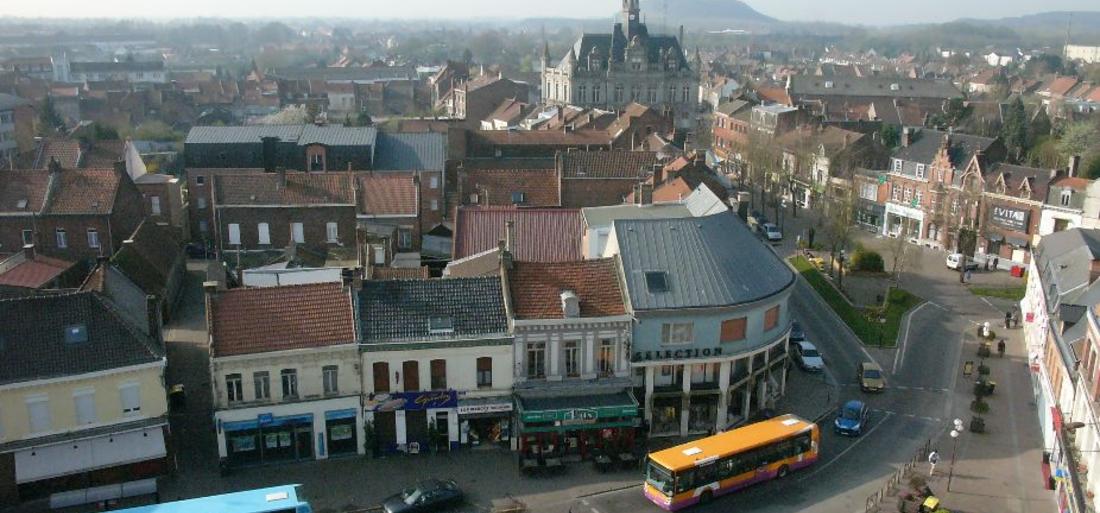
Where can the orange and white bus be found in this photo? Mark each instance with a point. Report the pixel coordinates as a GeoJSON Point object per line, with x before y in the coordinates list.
{"type": "Point", "coordinates": [706, 468]}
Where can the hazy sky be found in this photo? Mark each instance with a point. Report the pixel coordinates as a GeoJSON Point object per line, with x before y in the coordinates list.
{"type": "Point", "coordinates": [847, 11]}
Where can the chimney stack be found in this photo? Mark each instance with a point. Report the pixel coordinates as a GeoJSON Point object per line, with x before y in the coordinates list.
{"type": "Point", "coordinates": [682, 38]}
{"type": "Point", "coordinates": [1074, 165]}
{"type": "Point", "coordinates": [210, 287]}
{"type": "Point", "coordinates": [281, 171]}
{"type": "Point", "coordinates": [28, 252]}
{"type": "Point", "coordinates": [152, 314]}
{"type": "Point", "coordinates": [906, 137]}
{"type": "Point", "coordinates": [54, 166]}
{"type": "Point", "coordinates": [509, 236]}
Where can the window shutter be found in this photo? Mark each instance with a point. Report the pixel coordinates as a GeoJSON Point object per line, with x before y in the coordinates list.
{"type": "Point", "coordinates": [85, 408]}
{"type": "Point", "coordinates": [39, 414]}
{"type": "Point", "coordinates": [131, 399]}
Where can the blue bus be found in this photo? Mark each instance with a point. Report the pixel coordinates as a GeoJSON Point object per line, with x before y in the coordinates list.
{"type": "Point", "coordinates": [277, 499]}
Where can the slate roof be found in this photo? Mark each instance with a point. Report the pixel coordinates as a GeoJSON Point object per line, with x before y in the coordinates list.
{"type": "Point", "coordinates": [730, 108]}
{"type": "Point", "coordinates": [540, 186]}
{"type": "Point", "coordinates": [33, 338]}
{"type": "Point", "coordinates": [410, 152]}
{"type": "Point", "coordinates": [84, 191]}
{"type": "Point", "coordinates": [18, 186]}
{"type": "Point", "coordinates": [1037, 180]}
{"type": "Point", "coordinates": [613, 46]}
{"type": "Point", "coordinates": [925, 144]}
{"type": "Point", "coordinates": [300, 189]}
{"type": "Point", "coordinates": [392, 310]}
{"type": "Point", "coordinates": [1065, 259]}
{"type": "Point", "coordinates": [388, 194]}
{"type": "Point", "coordinates": [608, 164]}
{"type": "Point", "coordinates": [578, 138]}
{"type": "Point", "coordinates": [541, 234]}
{"type": "Point", "coordinates": [536, 288]}
{"type": "Point", "coordinates": [266, 319]}
{"type": "Point", "coordinates": [149, 257]}
{"type": "Point", "coordinates": [809, 85]}
{"type": "Point", "coordinates": [709, 261]}
{"type": "Point", "coordinates": [109, 66]}
{"type": "Point", "coordinates": [330, 135]}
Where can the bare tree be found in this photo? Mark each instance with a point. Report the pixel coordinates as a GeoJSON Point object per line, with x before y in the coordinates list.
{"type": "Point", "coordinates": [902, 255]}
{"type": "Point", "coordinates": [838, 227]}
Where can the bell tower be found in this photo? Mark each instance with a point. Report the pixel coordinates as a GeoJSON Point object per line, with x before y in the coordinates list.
{"type": "Point", "coordinates": [632, 18]}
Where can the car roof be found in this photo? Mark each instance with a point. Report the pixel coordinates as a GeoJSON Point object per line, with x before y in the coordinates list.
{"type": "Point", "coordinates": [870, 365]}
{"type": "Point", "coordinates": [806, 344]}
{"type": "Point", "coordinates": [854, 404]}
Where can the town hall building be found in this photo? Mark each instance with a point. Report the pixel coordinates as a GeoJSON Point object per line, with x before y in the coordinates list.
{"type": "Point", "coordinates": [609, 71]}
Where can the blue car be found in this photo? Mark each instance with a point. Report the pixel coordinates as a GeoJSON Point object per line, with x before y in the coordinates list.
{"type": "Point", "coordinates": [851, 418]}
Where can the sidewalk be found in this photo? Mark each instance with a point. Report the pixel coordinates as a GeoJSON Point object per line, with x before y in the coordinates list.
{"type": "Point", "coordinates": [998, 470]}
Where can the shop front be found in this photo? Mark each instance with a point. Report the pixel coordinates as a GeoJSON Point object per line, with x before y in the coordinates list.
{"type": "Point", "coordinates": [485, 421]}
{"type": "Point", "coordinates": [577, 427]}
{"type": "Point", "coordinates": [289, 432]}
{"type": "Point", "coordinates": [343, 437]}
{"type": "Point", "coordinates": [268, 439]}
{"type": "Point", "coordinates": [870, 215]}
{"type": "Point", "coordinates": [413, 421]}
{"type": "Point", "coordinates": [1007, 234]}
{"type": "Point", "coordinates": [902, 221]}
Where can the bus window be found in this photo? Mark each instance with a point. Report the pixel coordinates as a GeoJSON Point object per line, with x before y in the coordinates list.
{"type": "Point", "coordinates": [685, 480]}
{"type": "Point", "coordinates": [707, 474]}
{"type": "Point", "coordinates": [805, 443]}
{"type": "Point", "coordinates": [659, 478]}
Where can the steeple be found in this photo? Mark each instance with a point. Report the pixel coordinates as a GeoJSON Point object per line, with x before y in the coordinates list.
{"type": "Point", "coordinates": [545, 54]}
{"type": "Point", "coordinates": [632, 18]}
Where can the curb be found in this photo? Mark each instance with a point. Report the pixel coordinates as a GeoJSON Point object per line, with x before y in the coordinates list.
{"type": "Point", "coordinates": [604, 492]}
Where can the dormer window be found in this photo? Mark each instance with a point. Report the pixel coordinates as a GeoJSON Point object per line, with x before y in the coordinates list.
{"type": "Point", "coordinates": [441, 325]}
{"type": "Point", "coordinates": [828, 84]}
{"type": "Point", "coordinates": [519, 198]}
{"type": "Point", "coordinates": [897, 165]}
{"type": "Point", "coordinates": [895, 87]}
{"type": "Point", "coordinates": [570, 304]}
{"type": "Point", "coordinates": [920, 171]}
{"type": "Point", "coordinates": [1066, 195]}
{"type": "Point", "coordinates": [656, 281]}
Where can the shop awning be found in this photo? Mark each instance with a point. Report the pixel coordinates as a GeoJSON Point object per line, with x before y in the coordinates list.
{"type": "Point", "coordinates": [1020, 243]}
{"type": "Point", "coordinates": [578, 409]}
{"type": "Point", "coordinates": [484, 406]}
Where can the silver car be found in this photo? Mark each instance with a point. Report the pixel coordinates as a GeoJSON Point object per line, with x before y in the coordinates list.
{"type": "Point", "coordinates": [807, 356]}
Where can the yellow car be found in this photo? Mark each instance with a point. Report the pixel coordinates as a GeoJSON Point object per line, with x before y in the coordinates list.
{"type": "Point", "coordinates": [871, 378]}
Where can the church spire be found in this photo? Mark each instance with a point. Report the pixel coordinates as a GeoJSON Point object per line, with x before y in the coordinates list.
{"type": "Point", "coordinates": [545, 54]}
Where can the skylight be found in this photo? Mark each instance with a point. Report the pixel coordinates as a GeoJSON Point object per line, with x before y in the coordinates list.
{"type": "Point", "coordinates": [656, 281]}
{"type": "Point", "coordinates": [21, 204]}
{"type": "Point", "coordinates": [440, 325]}
{"type": "Point", "coordinates": [76, 334]}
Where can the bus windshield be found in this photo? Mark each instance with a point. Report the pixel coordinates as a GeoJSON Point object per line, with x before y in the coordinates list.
{"type": "Point", "coordinates": [659, 478]}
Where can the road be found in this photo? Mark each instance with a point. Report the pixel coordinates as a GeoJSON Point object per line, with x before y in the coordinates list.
{"type": "Point", "coordinates": [916, 407]}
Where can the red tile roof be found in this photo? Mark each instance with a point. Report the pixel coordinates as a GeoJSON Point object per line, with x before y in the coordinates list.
{"type": "Point", "coordinates": [300, 189]}
{"type": "Point", "coordinates": [260, 320]}
{"type": "Point", "coordinates": [608, 164]}
{"type": "Point", "coordinates": [539, 186]}
{"type": "Point", "coordinates": [84, 191]}
{"type": "Point", "coordinates": [543, 137]}
{"type": "Point", "coordinates": [773, 94]}
{"type": "Point", "coordinates": [66, 151]}
{"type": "Point", "coordinates": [104, 154]}
{"type": "Point", "coordinates": [388, 194]}
{"type": "Point", "coordinates": [541, 234]}
{"type": "Point", "coordinates": [1073, 182]}
{"type": "Point", "coordinates": [19, 186]}
{"type": "Point", "coordinates": [536, 288]}
{"type": "Point", "coordinates": [1061, 85]}
{"type": "Point", "coordinates": [33, 274]}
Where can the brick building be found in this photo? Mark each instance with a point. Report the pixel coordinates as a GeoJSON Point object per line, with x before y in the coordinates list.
{"type": "Point", "coordinates": [1012, 206]}
{"type": "Point", "coordinates": [599, 178]}
{"type": "Point", "coordinates": [730, 131]}
{"type": "Point", "coordinates": [302, 147]}
{"type": "Point", "coordinates": [475, 99]}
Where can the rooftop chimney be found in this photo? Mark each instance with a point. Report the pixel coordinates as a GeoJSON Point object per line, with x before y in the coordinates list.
{"type": "Point", "coordinates": [906, 137]}
{"type": "Point", "coordinates": [281, 171]}
{"type": "Point", "coordinates": [510, 236]}
{"type": "Point", "coordinates": [54, 166]}
{"type": "Point", "coordinates": [210, 287]}
{"type": "Point", "coordinates": [1074, 165]}
{"type": "Point", "coordinates": [28, 252]}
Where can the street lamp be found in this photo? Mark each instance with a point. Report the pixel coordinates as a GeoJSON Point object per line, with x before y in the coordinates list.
{"type": "Point", "coordinates": [954, 448]}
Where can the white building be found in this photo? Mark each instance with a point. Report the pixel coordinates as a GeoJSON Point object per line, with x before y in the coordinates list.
{"type": "Point", "coordinates": [284, 371]}
{"type": "Point", "coordinates": [1087, 54]}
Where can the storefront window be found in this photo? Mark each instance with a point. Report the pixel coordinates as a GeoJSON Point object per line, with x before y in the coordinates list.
{"type": "Point", "coordinates": [703, 413]}
{"type": "Point", "coordinates": [666, 415]}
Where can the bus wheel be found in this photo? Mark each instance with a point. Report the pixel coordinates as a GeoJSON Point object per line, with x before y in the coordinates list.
{"type": "Point", "coordinates": [783, 471]}
{"type": "Point", "coordinates": [705, 497]}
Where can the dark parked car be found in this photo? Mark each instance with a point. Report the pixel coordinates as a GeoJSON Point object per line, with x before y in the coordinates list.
{"type": "Point", "coordinates": [428, 495]}
{"type": "Point", "coordinates": [797, 333]}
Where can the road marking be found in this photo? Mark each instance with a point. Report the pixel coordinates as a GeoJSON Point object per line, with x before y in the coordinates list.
{"type": "Point", "coordinates": [825, 465]}
{"type": "Point", "coordinates": [899, 356]}
{"type": "Point", "coordinates": [585, 502]}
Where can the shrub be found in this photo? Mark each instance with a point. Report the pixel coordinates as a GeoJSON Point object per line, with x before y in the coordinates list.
{"type": "Point", "coordinates": [866, 260]}
{"type": "Point", "coordinates": [979, 406]}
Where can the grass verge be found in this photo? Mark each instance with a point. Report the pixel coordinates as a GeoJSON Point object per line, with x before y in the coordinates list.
{"type": "Point", "coordinates": [1013, 293]}
{"type": "Point", "coordinates": [862, 321]}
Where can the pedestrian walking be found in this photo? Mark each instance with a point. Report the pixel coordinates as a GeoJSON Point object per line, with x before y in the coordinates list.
{"type": "Point", "coordinates": [933, 459]}
{"type": "Point", "coordinates": [1008, 320]}
{"type": "Point", "coordinates": [1001, 348]}
{"type": "Point", "coordinates": [995, 261]}
{"type": "Point", "coordinates": [987, 264]}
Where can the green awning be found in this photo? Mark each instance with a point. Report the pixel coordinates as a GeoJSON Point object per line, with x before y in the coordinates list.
{"type": "Point", "coordinates": [587, 410]}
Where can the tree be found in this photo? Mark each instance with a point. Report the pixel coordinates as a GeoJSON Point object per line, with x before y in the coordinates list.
{"type": "Point", "coordinates": [49, 118]}
{"type": "Point", "coordinates": [1079, 139]}
{"type": "Point", "coordinates": [901, 254]}
{"type": "Point", "coordinates": [1014, 132]}
{"type": "Point", "coordinates": [838, 228]}
{"type": "Point", "coordinates": [290, 115]}
{"type": "Point", "coordinates": [1044, 64]}
{"type": "Point", "coordinates": [890, 136]}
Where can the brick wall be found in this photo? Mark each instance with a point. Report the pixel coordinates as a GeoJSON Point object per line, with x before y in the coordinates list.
{"type": "Point", "coordinates": [11, 232]}
{"type": "Point", "coordinates": [313, 219]}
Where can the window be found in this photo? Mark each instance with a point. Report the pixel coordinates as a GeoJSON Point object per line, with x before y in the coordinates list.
{"type": "Point", "coordinates": [130, 395]}
{"type": "Point", "coordinates": [411, 371]}
{"type": "Point", "coordinates": [771, 318]}
{"type": "Point", "coordinates": [652, 94]}
{"type": "Point", "coordinates": [435, 205]}
{"type": "Point", "coordinates": [200, 180]}
{"type": "Point", "coordinates": [290, 383]}
{"type": "Point", "coordinates": [582, 92]}
{"type": "Point", "coordinates": [433, 182]}
{"type": "Point", "coordinates": [635, 92]}
{"type": "Point", "coordinates": [62, 242]}
{"type": "Point", "coordinates": [404, 238]}
{"type": "Point", "coordinates": [685, 94]}
{"type": "Point", "coordinates": [235, 234]}
{"type": "Point", "coordinates": [38, 413]}
{"type": "Point", "coordinates": [297, 232]}
{"type": "Point", "coordinates": [656, 281]}
{"type": "Point", "coordinates": [329, 379]}
{"type": "Point", "coordinates": [28, 237]}
{"type": "Point", "coordinates": [1066, 195]}
{"type": "Point", "coordinates": [671, 94]}
{"type": "Point", "coordinates": [571, 358]}
{"type": "Point", "coordinates": [677, 333]}
{"type": "Point", "coordinates": [439, 374]}
{"type": "Point", "coordinates": [233, 389]}
{"type": "Point", "coordinates": [618, 93]}
{"type": "Point", "coordinates": [154, 205]}
{"type": "Point", "coordinates": [897, 165]}
{"type": "Point", "coordinates": [262, 383]}
{"type": "Point", "coordinates": [733, 329]}
{"type": "Point", "coordinates": [381, 372]}
{"type": "Point", "coordinates": [919, 198]}
{"type": "Point", "coordinates": [484, 372]}
{"type": "Point", "coordinates": [201, 202]}
{"type": "Point", "coordinates": [518, 198]}
{"type": "Point", "coordinates": [895, 193]}
{"type": "Point", "coordinates": [332, 232]}
{"type": "Point", "coordinates": [263, 233]}
{"type": "Point", "coordinates": [868, 191]}
{"type": "Point", "coordinates": [202, 225]}
{"type": "Point", "coordinates": [606, 357]}
{"type": "Point", "coordinates": [908, 194]}
{"type": "Point", "coordinates": [536, 360]}
{"type": "Point", "coordinates": [93, 238]}
{"type": "Point", "coordinates": [920, 171]}
{"type": "Point", "coordinates": [84, 403]}
{"type": "Point", "coordinates": [596, 93]}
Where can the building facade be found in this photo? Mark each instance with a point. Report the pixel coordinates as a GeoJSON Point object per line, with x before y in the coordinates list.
{"type": "Point", "coordinates": [628, 65]}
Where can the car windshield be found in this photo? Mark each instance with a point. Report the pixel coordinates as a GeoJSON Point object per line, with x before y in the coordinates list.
{"type": "Point", "coordinates": [411, 495]}
{"type": "Point", "coordinates": [810, 352]}
{"type": "Point", "coordinates": [659, 478]}
{"type": "Point", "coordinates": [872, 374]}
{"type": "Point", "coordinates": [850, 412]}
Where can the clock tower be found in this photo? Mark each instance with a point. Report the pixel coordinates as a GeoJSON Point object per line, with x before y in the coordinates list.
{"type": "Point", "coordinates": [631, 17]}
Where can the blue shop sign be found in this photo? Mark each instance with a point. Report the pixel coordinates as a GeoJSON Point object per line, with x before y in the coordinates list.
{"type": "Point", "coordinates": [264, 419]}
{"type": "Point", "coordinates": [412, 401]}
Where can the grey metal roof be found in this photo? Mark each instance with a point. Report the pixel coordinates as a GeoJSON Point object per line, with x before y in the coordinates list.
{"type": "Point", "coordinates": [410, 152]}
{"type": "Point", "coordinates": [603, 216]}
{"type": "Point", "coordinates": [33, 333]}
{"type": "Point", "coordinates": [730, 108]}
{"type": "Point", "coordinates": [872, 86]}
{"type": "Point", "coordinates": [397, 310]}
{"type": "Point", "coordinates": [1064, 260]}
{"type": "Point", "coordinates": [8, 101]}
{"type": "Point", "coordinates": [329, 135]}
{"type": "Point", "coordinates": [710, 261]}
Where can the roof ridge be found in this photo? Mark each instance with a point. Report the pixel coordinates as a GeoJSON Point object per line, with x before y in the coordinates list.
{"type": "Point", "coordinates": [148, 341]}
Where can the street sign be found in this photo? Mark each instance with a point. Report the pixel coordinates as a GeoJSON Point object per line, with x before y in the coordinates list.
{"type": "Point", "coordinates": [881, 179]}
